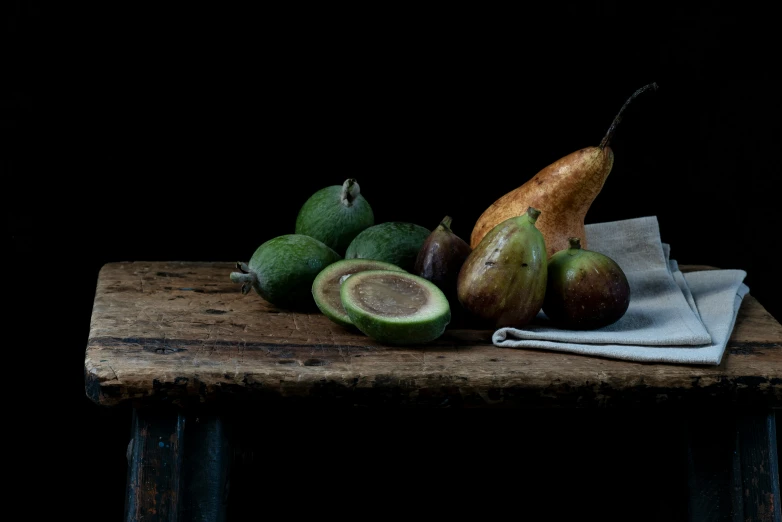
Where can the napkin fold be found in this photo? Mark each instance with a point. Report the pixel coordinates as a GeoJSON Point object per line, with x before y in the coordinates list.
{"type": "Point", "coordinates": [672, 317]}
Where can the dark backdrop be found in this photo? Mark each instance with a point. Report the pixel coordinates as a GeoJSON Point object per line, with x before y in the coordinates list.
{"type": "Point", "coordinates": [192, 133]}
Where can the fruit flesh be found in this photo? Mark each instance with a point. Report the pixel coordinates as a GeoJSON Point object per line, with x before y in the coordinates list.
{"type": "Point", "coordinates": [391, 296]}
{"type": "Point", "coordinates": [326, 287]}
{"type": "Point", "coordinates": [395, 307]}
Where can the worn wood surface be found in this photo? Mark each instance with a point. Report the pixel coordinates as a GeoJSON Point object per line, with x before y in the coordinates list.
{"type": "Point", "coordinates": [180, 331]}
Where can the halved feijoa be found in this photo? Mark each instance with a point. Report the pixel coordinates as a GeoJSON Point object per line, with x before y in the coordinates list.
{"type": "Point", "coordinates": [395, 307]}
{"type": "Point", "coordinates": [325, 287]}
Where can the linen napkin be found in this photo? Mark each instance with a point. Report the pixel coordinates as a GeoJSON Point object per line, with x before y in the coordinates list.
{"type": "Point", "coordinates": [672, 317]}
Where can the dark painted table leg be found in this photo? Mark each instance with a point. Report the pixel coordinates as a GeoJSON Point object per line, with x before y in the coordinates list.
{"type": "Point", "coordinates": [206, 469]}
{"type": "Point", "coordinates": [178, 467]}
{"type": "Point", "coordinates": [154, 466]}
{"type": "Point", "coordinates": [757, 442]}
{"type": "Point", "coordinates": [733, 467]}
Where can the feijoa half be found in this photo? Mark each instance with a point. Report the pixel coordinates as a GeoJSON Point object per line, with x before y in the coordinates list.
{"type": "Point", "coordinates": [325, 287]}
{"type": "Point", "coordinates": [395, 307]}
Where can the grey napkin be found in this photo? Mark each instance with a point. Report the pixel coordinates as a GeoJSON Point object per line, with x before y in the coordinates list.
{"type": "Point", "coordinates": [672, 317]}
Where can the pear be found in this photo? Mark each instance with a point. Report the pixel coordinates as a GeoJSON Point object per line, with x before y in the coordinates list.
{"type": "Point", "coordinates": [503, 280]}
{"type": "Point", "coordinates": [562, 191]}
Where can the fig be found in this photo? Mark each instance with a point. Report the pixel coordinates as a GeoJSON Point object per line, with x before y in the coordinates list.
{"type": "Point", "coordinates": [335, 215]}
{"type": "Point", "coordinates": [441, 257]}
{"type": "Point", "coordinates": [503, 280]}
{"type": "Point", "coordinates": [394, 242]}
{"type": "Point", "coordinates": [283, 268]}
{"type": "Point", "coordinates": [585, 290]}
{"type": "Point", "coordinates": [395, 307]}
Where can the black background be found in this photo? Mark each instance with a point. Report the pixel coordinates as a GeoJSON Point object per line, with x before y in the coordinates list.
{"type": "Point", "coordinates": [195, 133]}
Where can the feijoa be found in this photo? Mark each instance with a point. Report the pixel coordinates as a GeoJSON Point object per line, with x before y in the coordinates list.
{"type": "Point", "coordinates": [282, 270]}
{"type": "Point", "coordinates": [325, 288]}
{"type": "Point", "coordinates": [585, 289]}
{"type": "Point", "coordinates": [395, 307]}
{"type": "Point", "coordinates": [335, 215]}
{"type": "Point", "coordinates": [394, 242]}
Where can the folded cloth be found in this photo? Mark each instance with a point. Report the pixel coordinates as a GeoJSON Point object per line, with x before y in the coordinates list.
{"type": "Point", "coordinates": [672, 317]}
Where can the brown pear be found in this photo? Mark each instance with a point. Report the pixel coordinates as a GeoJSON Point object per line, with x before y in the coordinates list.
{"type": "Point", "coordinates": [562, 191]}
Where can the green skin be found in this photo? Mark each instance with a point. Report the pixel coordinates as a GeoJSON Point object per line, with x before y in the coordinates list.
{"type": "Point", "coordinates": [394, 242]}
{"type": "Point", "coordinates": [503, 280]}
{"type": "Point", "coordinates": [335, 215]}
{"type": "Point", "coordinates": [586, 289]}
{"type": "Point", "coordinates": [411, 329]}
{"type": "Point", "coordinates": [283, 268]}
{"type": "Point", "coordinates": [326, 286]}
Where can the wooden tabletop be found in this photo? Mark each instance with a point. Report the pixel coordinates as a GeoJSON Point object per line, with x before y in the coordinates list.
{"type": "Point", "coordinates": [182, 331]}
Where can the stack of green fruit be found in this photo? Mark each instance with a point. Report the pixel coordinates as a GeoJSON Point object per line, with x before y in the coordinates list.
{"type": "Point", "coordinates": [354, 271]}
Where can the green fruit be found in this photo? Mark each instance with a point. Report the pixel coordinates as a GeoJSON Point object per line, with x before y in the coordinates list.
{"type": "Point", "coordinates": [283, 268]}
{"type": "Point", "coordinates": [335, 215]}
{"type": "Point", "coordinates": [395, 307]}
{"type": "Point", "coordinates": [503, 280]}
{"type": "Point", "coordinates": [586, 289]}
{"type": "Point", "coordinates": [325, 288]}
{"type": "Point", "coordinates": [394, 242]}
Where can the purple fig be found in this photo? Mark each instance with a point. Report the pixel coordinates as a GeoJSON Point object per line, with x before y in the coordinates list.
{"type": "Point", "coordinates": [441, 257]}
{"type": "Point", "coordinates": [585, 290]}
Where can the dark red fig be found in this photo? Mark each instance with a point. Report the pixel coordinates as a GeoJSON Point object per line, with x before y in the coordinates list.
{"type": "Point", "coordinates": [585, 289]}
{"type": "Point", "coordinates": [441, 257]}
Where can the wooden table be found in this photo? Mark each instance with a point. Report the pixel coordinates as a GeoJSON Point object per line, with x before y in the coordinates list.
{"type": "Point", "coordinates": [170, 338]}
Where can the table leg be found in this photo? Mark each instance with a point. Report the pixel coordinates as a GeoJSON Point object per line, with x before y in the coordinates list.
{"type": "Point", "coordinates": [178, 467]}
{"type": "Point", "coordinates": [154, 466]}
{"type": "Point", "coordinates": [733, 467]}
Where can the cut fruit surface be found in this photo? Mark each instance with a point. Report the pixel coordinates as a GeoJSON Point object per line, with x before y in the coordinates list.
{"type": "Point", "coordinates": [395, 307]}
{"type": "Point", "coordinates": [326, 286]}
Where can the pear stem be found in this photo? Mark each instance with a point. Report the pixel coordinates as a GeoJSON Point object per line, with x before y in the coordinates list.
{"type": "Point", "coordinates": [446, 222]}
{"type": "Point", "coordinates": [350, 191]}
{"type": "Point", "coordinates": [575, 243]}
{"type": "Point", "coordinates": [618, 118]}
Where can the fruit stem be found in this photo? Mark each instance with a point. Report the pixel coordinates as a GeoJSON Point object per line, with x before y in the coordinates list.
{"type": "Point", "coordinates": [446, 222]}
{"type": "Point", "coordinates": [533, 214]}
{"type": "Point", "coordinates": [350, 191]}
{"type": "Point", "coordinates": [246, 277]}
{"type": "Point", "coordinates": [618, 118]}
{"type": "Point", "coordinates": [575, 243]}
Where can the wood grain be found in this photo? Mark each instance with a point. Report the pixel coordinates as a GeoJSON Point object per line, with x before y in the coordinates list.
{"type": "Point", "coordinates": [181, 331]}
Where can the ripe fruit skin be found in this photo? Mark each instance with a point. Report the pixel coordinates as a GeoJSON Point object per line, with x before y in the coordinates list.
{"type": "Point", "coordinates": [335, 215]}
{"type": "Point", "coordinates": [283, 268]}
{"type": "Point", "coordinates": [441, 257]}
{"type": "Point", "coordinates": [394, 242]}
{"type": "Point", "coordinates": [503, 281]}
{"type": "Point", "coordinates": [585, 290]}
